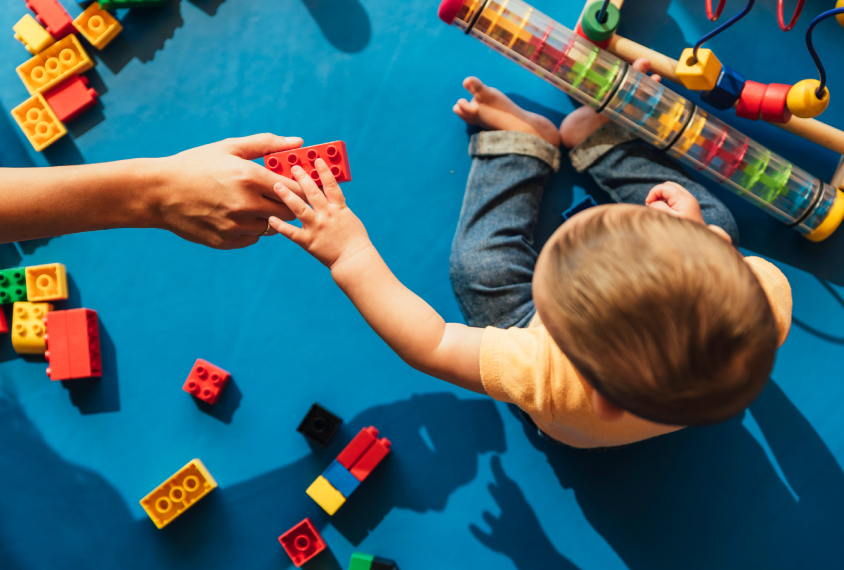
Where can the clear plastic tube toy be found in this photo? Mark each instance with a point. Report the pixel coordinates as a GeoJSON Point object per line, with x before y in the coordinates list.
{"type": "Point", "coordinates": [654, 112]}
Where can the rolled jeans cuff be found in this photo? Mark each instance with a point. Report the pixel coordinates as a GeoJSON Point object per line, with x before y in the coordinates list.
{"type": "Point", "coordinates": [598, 144]}
{"type": "Point", "coordinates": [500, 143]}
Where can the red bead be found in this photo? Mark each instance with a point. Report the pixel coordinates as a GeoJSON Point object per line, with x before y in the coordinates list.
{"type": "Point", "coordinates": [750, 102]}
{"type": "Point", "coordinates": [774, 104]}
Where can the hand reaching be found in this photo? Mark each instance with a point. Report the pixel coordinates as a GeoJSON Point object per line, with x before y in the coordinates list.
{"type": "Point", "coordinates": [673, 199]}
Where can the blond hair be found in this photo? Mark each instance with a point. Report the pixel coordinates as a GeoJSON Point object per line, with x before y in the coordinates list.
{"type": "Point", "coordinates": [661, 316]}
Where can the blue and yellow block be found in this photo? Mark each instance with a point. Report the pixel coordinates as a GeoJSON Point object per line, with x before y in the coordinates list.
{"type": "Point", "coordinates": [333, 487]}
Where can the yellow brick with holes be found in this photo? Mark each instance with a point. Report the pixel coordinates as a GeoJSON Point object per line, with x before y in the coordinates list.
{"type": "Point", "coordinates": [55, 64]}
{"type": "Point", "coordinates": [28, 327]}
{"type": "Point", "coordinates": [700, 75]}
{"type": "Point", "coordinates": [46, 282]}
{"type": "Point", "coordinates": [38, 122]}
{"type": "Point", "coordinates": [97, 26]}
{"type": "Point", "coordinates": [178, 493]}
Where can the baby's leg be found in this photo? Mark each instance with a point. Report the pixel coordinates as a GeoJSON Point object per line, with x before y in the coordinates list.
{"type": "Point", "coordinates": [492, 256]}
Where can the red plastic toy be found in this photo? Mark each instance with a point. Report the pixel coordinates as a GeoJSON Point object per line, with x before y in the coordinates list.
{"type": "Point", "coordinates": [73, 344]}
{"type": "Point", "coordinates": [364, 453]}
{"type": "Point", "coordinates": [750, 102]}
{"type": "Point", "coordinates": [775, 103]}
{"type": "Point", "coordinates": [333, 153]}
{"type": "Point", "coordinates": [4, 326]}
{"type": "Point", "coordinates": [206, 381]}
{"type": "Point", "coordinates": [53, 17]}
{"type": "Point", "coordinates": [302, 542]}
{"type": "Point", "coordinates": [71, 98]}
{"type": "Point", "coordinates": [603, 44]}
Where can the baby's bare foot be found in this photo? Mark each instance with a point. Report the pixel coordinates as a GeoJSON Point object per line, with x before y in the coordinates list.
{"type": "Point", "coordinates": [582, 122]}
{"type": "Point", "coordinates": [492, 109]}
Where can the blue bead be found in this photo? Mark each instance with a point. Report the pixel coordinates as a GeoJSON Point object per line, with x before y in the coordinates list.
{"type": "Point", "coordinates": [340, 478]}
{"type": "Point", "coordinates": [727, 91]}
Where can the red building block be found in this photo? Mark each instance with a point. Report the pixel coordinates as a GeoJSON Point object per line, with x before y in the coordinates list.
{"type": "Point", "coordinates": [302, 542]}
{"type": "Point", "coordinates": [4, 326]}
{"type": "Point", "coordinates": [750, 102]}
{"type": "Point", "coordinates": [370, 460]}
{"type": "Point", "coordinates": [775, 103]}
{"type": "Point", "coordinates": [206, 381]}
{"type": "Point", "coordinates": [333, 153]}
{"type": "Point", "coordinates": [73, 344]}
{"type": "Point", "coordinates": [71, 98]}
{"type": "Point", "coordinates": [53, 17]}
{"type": "Point", "coordinates": [357, 447]}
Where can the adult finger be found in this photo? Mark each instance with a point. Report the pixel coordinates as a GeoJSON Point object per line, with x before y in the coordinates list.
{"type": "Point", "coordinates": [265, 179]}
{"type": "Point", "coordinates": [301, 210]}
{"type": "Point", "coordinates": [329, 183]}
{"type": "Point", "coordinates": [291, 232]}
{"type": "Point", "coordinates": [242, 241]}
{"type": "Point", "coordinates": [259, 227]}
{"type": "Point", "coordinates": [256, 146]}
{"type": "Point", "coordinates": [312, 192]}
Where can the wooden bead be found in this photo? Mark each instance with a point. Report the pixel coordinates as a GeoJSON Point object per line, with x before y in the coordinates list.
{"type": "Point", "coordinates": [774, 107]}
{"type": "Point", "coordinates": [840, 17]}
{"type": "Point", "coordinates": [600, 31]}
{"type": "Point", "coordinates": [750, 102]}
{"type": "Point", "coordinates": [803, 102]}
{"type": "Point", "coordinates": [700, 75]}
{"type": "Point", "coordinates": [727, 91]}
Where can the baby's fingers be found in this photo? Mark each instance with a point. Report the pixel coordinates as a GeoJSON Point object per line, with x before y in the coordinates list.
{"type": "Point", "coordinates": [298, 206]}
{"type": "Point", "coordinates": [291, 232]}
{"type": "Point", "coordinates": [329, 183]}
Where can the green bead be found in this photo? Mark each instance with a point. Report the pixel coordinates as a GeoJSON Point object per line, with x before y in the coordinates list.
{"type": "Point", "coordinates": [12, 285]}
{"type": "Point", "coordinates": [361, 561]}
{"type": "Point", "coordinates": [595, 30]}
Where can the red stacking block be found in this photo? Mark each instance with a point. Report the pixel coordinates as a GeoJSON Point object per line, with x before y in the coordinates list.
{"type": "Point", "coordinates": [750, 103]}
{"type": "Point", "coordinates": [370, 460]}
{"type": "Point", "coordinates": [333, 153]}
{"type": "Point", "coordinates": [71, 98]}
{"type": "Point", "coordinates": [357, 447]}
{"type": "Point", "coordinates": [73, 344]}
{"type": "Point", "coordinates": [206, 381]}
{"type": "Point", "coordinates": [53, 17]}
{"type": "Point", "coordinates": [4, 327]}
{"type": "Point", "coordinates": [302, 542]}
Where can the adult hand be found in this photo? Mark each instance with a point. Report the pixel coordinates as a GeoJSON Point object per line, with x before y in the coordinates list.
{"type": "Point", "coordinates": [216, 196]}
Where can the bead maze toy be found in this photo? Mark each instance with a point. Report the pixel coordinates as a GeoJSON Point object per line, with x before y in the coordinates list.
{"type": "Point", "coordinates": [655, 113]}
{"type": "Point", "coordinates": [180, 492]}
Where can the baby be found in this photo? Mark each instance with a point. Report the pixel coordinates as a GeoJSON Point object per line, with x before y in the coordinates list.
{"type": "Point", "coordinates": [634, 320]}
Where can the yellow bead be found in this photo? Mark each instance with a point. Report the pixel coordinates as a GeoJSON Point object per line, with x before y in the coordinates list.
{"type": "Point", "coordinates": [802, 101]}
{"type": "Point", "coordinates": [700, 75]}
{"type": "Point", "coordinates": [840, 17]}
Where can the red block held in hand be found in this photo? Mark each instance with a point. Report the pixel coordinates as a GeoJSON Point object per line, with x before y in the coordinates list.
{"type": "Point", "coordinates": [206, 381]}
{"type": "Point", "coordinates": [53, 17]}
{"type": "Point", "coordinates": [333, 153]}
{"type": "Point", "coordinates": [71, 98]}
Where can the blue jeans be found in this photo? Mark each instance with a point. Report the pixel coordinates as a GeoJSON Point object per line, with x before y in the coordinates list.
{"type": "Point", "coordinates": [493, 253]}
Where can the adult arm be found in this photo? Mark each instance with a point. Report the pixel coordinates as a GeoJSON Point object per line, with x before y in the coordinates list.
{"type": "Point", "coordinates": [214, 195]}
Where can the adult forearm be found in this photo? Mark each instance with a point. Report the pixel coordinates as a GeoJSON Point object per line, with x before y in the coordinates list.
{"type": "Point", "coordinates": [45, 202]}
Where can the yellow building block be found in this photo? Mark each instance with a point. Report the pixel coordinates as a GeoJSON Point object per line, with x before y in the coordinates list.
{"type": "Point", "coordinates": [97, 26]}
{"type": "Point", "coordinates": [32, 35]}
{"type": "Point", "coordinates": [55, 64]}
{"type": "Point", "coordinates": [178, 493]}
{"type": "Point", "coordinates": [701, 75]}
{"type": "Point", "coordinates": [38, 122]}
{"type": "Point", "coordinates": [325, 495]}
{"type": "Point", "coordinates": [46, 282]}
{"type": "Point", "coordinates": [28, 327]}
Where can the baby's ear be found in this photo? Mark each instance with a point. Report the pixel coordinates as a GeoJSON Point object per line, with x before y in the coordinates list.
{"type": "Point", "coordinates": [605, 409]}
{"type": "Point", "coordinates": [719, 231]}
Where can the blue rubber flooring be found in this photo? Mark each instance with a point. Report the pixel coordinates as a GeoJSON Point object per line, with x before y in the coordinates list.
{"type": "Point", "coordinates": [466, 486]}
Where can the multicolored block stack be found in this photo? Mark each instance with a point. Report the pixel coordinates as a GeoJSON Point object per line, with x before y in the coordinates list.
{"type": "Point", "coordinates": [68, 339]}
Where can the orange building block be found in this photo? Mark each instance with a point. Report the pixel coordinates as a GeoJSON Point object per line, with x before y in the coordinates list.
{"type": "Point", "coordinates": [46, 282]}
{"type": "Point", "coordinates": [38, 122]}
{"type": "Point", "coordinates": [178, 493]}
{"type": "Point", "coordinates": [97, 26]}
{"type": "Point", "coordinates": [55, 64]}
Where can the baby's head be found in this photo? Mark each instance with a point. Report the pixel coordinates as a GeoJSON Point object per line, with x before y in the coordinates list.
{"type": "Point", "coordinates": [660, 315]}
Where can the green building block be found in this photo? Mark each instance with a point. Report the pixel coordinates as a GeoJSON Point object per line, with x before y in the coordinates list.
{"type": "Point", "coordinates": [361, 561]}
{"type": "Point", "coordinates": [119, 4]}
{"type": "Point", "coordinates": [12, 285]}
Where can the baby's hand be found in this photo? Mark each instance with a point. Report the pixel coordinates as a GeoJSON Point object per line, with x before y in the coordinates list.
{"type": "Point", "coordinates": [330, 231]}
{"type": "Point", "coordinates": [671, 198]}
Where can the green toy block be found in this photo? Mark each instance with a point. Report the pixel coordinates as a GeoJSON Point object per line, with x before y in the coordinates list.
{"type": "Point", "coordinates": [12, 285]}
{"type": "Point", "coordinates": [120, 4]}
{"type": "Point", "coordinates": [361, 561]}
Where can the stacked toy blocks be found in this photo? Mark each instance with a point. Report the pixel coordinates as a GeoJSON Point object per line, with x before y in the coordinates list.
{"type": "Point", "coordinates": [206, 381]}
{"type": "Point", "coordinates": [178, 493]}
{"type": "Point", "coordinates": [28, 329]}
{"type": "Point", "coordinates": [302, 542]}
{"type": "Point", "coordinates": [319, 425]}
{"type": "Point", "coordinates": [362, 561]}
{"type": "Point", "coordinates": [354, 464]}
{"type": "Point", "coordinates": [73, 344]}
{"type": "Point", "coordinates": [333, 153]}
{"type": "Point", "coordinates": [53, 16]}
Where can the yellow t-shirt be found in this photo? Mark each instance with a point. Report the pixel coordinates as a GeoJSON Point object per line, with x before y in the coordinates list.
{"type": "Point", "coordinates": [525, 367]}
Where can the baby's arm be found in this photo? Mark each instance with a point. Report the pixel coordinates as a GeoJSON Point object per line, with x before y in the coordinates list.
{"type": "Point", "coordinates": [337, 238]}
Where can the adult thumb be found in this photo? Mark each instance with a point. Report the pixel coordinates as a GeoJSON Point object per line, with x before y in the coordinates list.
{"type": "Point", "coordinates": [256, 146]}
